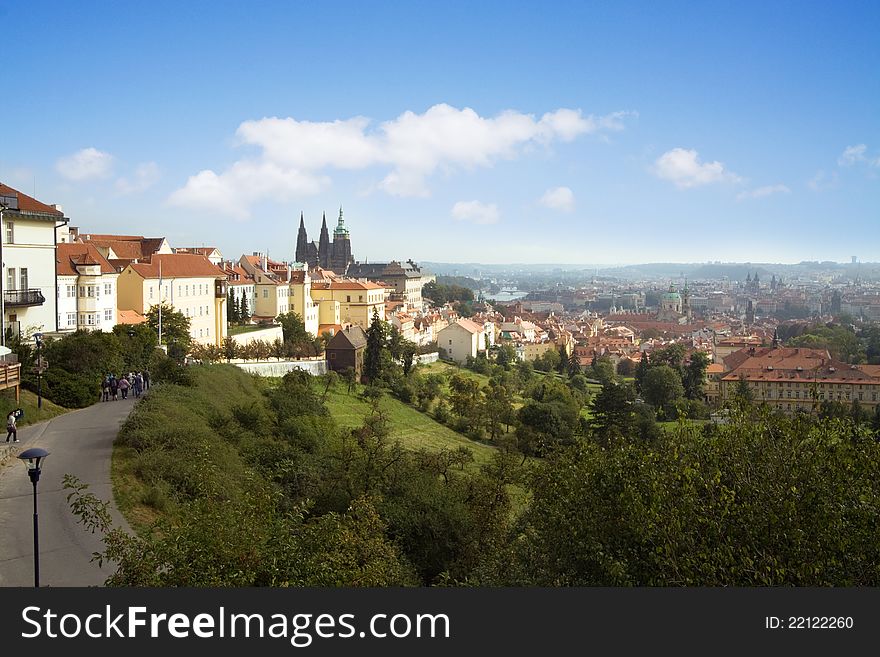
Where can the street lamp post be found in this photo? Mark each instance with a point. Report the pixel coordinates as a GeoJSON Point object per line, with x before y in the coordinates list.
{"type": "Point", "coordinates": [38, 338]}
{"type": "Point", "coordinates": [33, 459]}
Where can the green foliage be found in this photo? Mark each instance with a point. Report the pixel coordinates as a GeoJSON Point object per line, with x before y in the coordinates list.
{"type": "Point", "coordinates": [440, 294]}
{"type": "Point", "coordinates": [377, 357]}
{"type": "Point", "coordinates": [778, 502]}
{"type": "Point", "coordinates": [549, 361]}
{"type": "Point", "coordinates": [694, 375]}
{"type": "Point", "coordinates": [612, 413]}
{"type": "Point", "coordinates": [70, 390]}
{"type": "Point", "coordinates": [175, 329]}
{"type": "Point", "coordinates": [840, 341]}
{"type": "Point", "coordinates": [662, 388]}
{"type": "Point", "coordinates": [136, 342]}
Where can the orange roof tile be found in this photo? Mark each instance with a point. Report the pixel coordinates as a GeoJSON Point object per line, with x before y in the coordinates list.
{"type": "Point", "coordinates": [355, 285]}
{"type": "Point", "coordinates": [129, 317]}
{"type": "Point", "coordinates": [67, 256]}
{"type": "Point", "coordinates": [178, 265]}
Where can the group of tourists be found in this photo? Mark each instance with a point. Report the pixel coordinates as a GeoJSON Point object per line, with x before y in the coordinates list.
{"type": "Point", "coordinates": [112, 386]}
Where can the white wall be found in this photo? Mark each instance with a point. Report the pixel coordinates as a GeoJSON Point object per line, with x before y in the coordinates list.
{"type": "Point", "coordinates": [269, 334]}
{"type": "Point", "coordinates": [280, 368]}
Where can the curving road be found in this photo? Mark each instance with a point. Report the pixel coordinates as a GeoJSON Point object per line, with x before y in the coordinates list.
{"type": "Point", "coordinates": [79, 443]}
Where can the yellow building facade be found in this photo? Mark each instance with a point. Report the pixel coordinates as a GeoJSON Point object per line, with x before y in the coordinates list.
{"type": "Point", "coordinates": [190, 283]}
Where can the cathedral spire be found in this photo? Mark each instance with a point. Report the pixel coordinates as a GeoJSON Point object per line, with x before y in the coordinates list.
{"type": "Point", "coordinates": [324, 250]}
{"type": "Point", "coordinates": [302, 241]}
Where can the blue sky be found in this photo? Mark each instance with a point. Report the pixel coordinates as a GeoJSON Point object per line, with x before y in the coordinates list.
{"type": "Point", "coordinates": [501, 132]}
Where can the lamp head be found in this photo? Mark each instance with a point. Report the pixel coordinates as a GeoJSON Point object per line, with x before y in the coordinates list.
{"type": "Point", "coordinates": [33, 458]}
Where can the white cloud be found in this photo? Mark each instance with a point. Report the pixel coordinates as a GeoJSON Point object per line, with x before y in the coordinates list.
{"type": "Point", "coordinates": [855, 155]}
{"type": "Point", "coordinates": [86, 164]}
{"type": "Point", "coordinates": [233, 191]}
{"type": "Point", "coordinates": [476, 212]}
{"type": "Point", "coordinates": [684, 168]}
{"type": "Point", "coordinates": [558, 198]}
{"type": "Point", "coordinates": [822, 181]}
{"type": "Point", "coordinates": [852, 155]}
{"type": "Point", "coordinates": [762, 192]}
{"type": "Point", "coordinates": [145, 176]}
{"type": "Point", "coordinates": [411, 147]}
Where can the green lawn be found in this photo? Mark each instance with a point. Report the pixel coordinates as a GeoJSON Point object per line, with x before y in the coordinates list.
{"type": "Point", "coordinates": [28, 404]}
{"type": "Point", "coordinates": [413, 429]}
{"type": "Point", "coordinates": [246, 328]}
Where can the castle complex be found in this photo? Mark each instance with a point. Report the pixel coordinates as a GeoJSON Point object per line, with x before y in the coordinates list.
{"type": "Point", "coordinates": [335, 256]}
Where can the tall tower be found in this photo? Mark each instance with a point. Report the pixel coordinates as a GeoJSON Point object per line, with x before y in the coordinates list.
{"type": "Point", "coordinates": [324, 245]}
{"type": "Point", "coordinates": [341, 251]}
{"type": "Point", "coordinates": [302, 241]}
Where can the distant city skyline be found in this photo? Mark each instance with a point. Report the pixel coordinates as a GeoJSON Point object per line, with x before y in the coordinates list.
{"type": "Point", "coordinates": [565, 133]}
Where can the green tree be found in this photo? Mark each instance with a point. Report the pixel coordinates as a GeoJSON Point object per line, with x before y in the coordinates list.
{"type": "Point", "coordinates": [662, 388]}
{"type": "Point", "coordinates": [175, 329]}
{"type": "Point", "coordinates": [244, 313]}
{"type": "Point", "coordinates": [137, 342]}
{"type": "Point", "coordinates": [695, 375]}
{"type": "Point", "coordinates": [742, 393]}
{"type": "Point", "coordinates": [612, 413]}
{"type": "Point", "coordinates": [408, 351]}
{"type": "Point", "coordinates": [641, 371]}
{"type": "Point", "coordinates": [743, 504]}
{"type": "Point", "coordinates": [376, 357]}
{"type": "Point", "coordinates": [498, 405]}
{"type": "Point", "coordinates": [672, 355]}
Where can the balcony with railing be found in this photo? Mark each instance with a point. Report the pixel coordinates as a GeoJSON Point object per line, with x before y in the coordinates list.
{"type": "Point", "coordinates": [29, 297]}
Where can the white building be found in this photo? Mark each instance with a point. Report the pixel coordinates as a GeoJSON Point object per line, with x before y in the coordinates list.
{"type": "Point", "coordinates": [86, 289]}
{"type": "Point", "coordinates": [461, 339]}
{"type": "Point", "coordinates": [27, 250]}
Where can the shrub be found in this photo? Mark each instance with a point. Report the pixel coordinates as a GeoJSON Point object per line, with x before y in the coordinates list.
{"type": "Point", "coordinates": [67, 389]}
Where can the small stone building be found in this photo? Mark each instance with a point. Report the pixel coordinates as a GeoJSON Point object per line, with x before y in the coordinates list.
{"type": "Point", "coordinates": [346, 349]}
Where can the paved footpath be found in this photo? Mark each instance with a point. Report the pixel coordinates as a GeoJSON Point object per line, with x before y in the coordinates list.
{"type": "Point", "coordinates": [79, 443]}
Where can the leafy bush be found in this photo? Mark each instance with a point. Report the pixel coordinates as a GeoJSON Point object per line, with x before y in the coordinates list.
{"type": "Point", "coordinates": [68, 389]}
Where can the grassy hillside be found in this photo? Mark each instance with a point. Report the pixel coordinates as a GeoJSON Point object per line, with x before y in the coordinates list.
{"type": "Point", "coordinates": [413, 429]}
{"type": "Point", "coordinates": [168, 443]}
{"type": "Point", "coordinates": [28, 403]}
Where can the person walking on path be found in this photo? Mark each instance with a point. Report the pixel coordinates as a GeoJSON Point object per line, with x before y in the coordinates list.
{"type": "Point", "coordinates": [138, 384]}
{"type": "Point", "coordinates": [105, 389]}
{"type": "Point", "coordinates": [11, 431]}
{"type": "Point", "coordinates": [123, 387]}
{"type": "Point", "coordinates": [114, 387]}
{"type": "Point", "coordinates": [146, 380]}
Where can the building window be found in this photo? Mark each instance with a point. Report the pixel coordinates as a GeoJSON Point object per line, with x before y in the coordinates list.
{"type": "Point", "coordinates": [71, 292]}
{"type": "Point", "coordinates": [187, 289]}
{"type": "Point", "coordinates": [108, 289]}
{"type": "Point", "coordinates": [265, 293]}
{"type": "Point", "coordinates": [10, 278]}
{"type": "Point", "coordinates": [151, 291]}
{"type": "Point", "coordinates": [108, 315]}
{"type": "Point", "coordinates": [71, 320]}
{"type": "Point", "coordinates": [348, 298]}
{"type": "Point", "coordinates": [10, 232]}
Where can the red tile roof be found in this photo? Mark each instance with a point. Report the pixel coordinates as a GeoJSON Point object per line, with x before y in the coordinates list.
{"type": "Point", "coordinates": [355, 285]}
{"type": "Point", "coordinates": [68, 256]}
{"type": "Point", "coordinates": [469, 326]}
{"type": "Point", "coordinates": [178, 265]}
{"type": "Point", "coordinates": [129, 317]}
{"type": "Point", "coordinates": [27, 203]}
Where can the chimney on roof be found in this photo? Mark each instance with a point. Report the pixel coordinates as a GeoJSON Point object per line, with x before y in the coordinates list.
{"type": "Point", "coordinates": [264, 262]}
